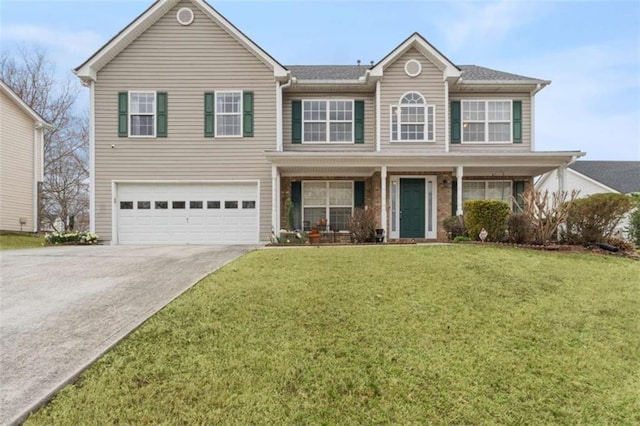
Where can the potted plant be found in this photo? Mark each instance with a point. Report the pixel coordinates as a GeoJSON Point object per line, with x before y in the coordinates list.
{"type": "Point", "coordinates": [314, 236]}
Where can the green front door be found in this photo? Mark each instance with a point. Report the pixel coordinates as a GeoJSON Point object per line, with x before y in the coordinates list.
{"type": "Point", "coordinates": [412, 208]}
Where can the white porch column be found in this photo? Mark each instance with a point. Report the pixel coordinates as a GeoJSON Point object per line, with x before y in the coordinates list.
{"type": "Point", "coordinates": [383, 201]}
{"type": "Point", "coordinates": [275, 226]}
{"type": "Point", "coordinates": [459, 174]}
{"type": "Point", "coordinates": [562, 172]}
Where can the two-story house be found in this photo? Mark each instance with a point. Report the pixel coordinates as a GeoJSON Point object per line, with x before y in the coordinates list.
{"type": "Point", "coordinates": [200, 136]}
{"type": "Point", "coordinates": [21, 162]}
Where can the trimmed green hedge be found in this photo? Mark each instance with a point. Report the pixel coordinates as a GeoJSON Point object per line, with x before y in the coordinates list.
{"type": "Point", "coordinates": [488, 214]}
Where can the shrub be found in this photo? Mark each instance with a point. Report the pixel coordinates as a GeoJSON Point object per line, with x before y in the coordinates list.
{"type": "Point", "coordinates": [454, 226]}
{"type": "Point", "coordinates": [289, 213]}
{"type": "Point", "coordinates": [519, 228]}
{"type": "Point", "coordinates": [594, 218]}
{"type": "Point", "coordinates": [546, 212]}
{"type": "Point", "coordinates": [622, 244]}
{"type": "Point", "coordinates": [488, 214]}
{"type": "Point", "coordinates": [461, 239]}
{"type": "Point", "coordinates": [291, 238]}
{"type": "Point", "coordinates": [362, 225]}
{"type": "Point", "coordinates": [75, 237]}
{"type": "Point", "coordinates": [634, 221]}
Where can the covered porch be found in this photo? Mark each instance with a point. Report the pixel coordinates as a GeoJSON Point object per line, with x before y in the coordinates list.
{"type": "Point", "coordinates": [408, 194]}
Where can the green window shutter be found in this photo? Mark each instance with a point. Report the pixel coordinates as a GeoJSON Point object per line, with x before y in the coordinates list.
{"type": "Point", "coordinates": [296, 121]}
{"type": "Point", "coordinates": [359, 121]}
{"type": "Point", "coordinates": [517, 121]}
{"type": "Point", "coordinates": [296, 199]}
{"type": "Point", "coordinates": [247, 119]}
{"type": "Point", "coordinates": [209, 114]}
{"type": "Point", "coordinates": [518, 190]}
{"type": "Point", "coordinates": [123, 114]}
{"type": "Point", "coordinates": [358, 193]}
{"type": "Point", "coordinates": [161, 114]}
{"type": "Point", "coordinates": [455, 122]}
{"type": "Point", "coordinates": [454, 197]}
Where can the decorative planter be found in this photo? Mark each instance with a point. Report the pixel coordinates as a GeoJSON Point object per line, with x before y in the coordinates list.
{"type": "Point", "coordinates": [314, 237]}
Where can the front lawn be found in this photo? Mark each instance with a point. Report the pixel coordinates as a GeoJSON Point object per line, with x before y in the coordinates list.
{"type": "Point", "coordinates": [18, 241]}
{"type": "Point", "coordinates": [393, 334]}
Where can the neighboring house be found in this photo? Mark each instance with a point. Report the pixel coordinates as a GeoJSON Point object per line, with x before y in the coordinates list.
{"type": "Point", "coordinates": [595, 177]}
{"type": "Point", "coordinates": [21, 164]}
{"type": "Point", "coordinates": [200, 136]}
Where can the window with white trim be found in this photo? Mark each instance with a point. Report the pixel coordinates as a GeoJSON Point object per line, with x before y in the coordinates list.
{"type": "Point", "coordinates": [412, 120]}
{"type": "Point", "coordinates": [330, 201]}
{"type": "Point", "coordinates": [228, 121]}
{"type": "Point", "coordinates": [486, 121]}
{"type": "Point", "coordinates": [142, 114]}
{"type": "Point", "coordinates": [487, 190]}
{"type": "Point", "coordinates": [327, 121]}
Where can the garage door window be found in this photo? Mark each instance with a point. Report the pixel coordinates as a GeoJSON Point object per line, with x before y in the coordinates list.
{"type": "Point", "coordinates": [161, 205]}
{"type": "Point", "coordinates": [179, 205]}
{"type": "Point", "coordinates": [213, 204]}
{"type": "Point", "coordinates": [126, 205]}
{"type": "Point", "coordinates": [195, 204]}
{"type": "Point", "coordinates": [144, 205]}
{"type": "Point", "coordinates": [230, 204]}
{"type": "Point", "coordinates": [248, 204]}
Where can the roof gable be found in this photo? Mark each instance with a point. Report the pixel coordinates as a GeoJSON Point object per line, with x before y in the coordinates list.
{"type": "Point", "coordinates": [23, 106]}
{"type": "Point", "coordinates": [415, 40]}
{"type": "Point", "coordinates": [622, 176]}
{"type": "Point", "coordinates": [90, 68]}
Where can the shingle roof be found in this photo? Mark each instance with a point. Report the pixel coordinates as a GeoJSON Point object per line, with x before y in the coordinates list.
{"type": "Point", "coordinates": [623, 176]}
{"type": "Point", "coordinates": [327, 72]}
{"type": "Point", "coordinates": [474, 72]}
{"type": "Point", "coordinates": [353, 72]}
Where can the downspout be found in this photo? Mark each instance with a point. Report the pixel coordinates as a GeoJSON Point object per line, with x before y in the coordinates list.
{"type": "Point", "coordinates": [38, 127]}
{"type": "Point", "coordinates": [533, 116]}
{"type": "Point", "coordinates": [92, 156]}
{"type": "Point", "coordinates": [378, 120]}
{"type": "Point", "coordinates": [279, 93]}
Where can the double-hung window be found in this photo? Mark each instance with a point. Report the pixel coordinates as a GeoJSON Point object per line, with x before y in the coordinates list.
{"type": "Point", "coordinates": [142, 114]}
{"type": "Point", "coordinates": [327, 121]}
{"type": "Point", "coordinates": [486, 190]}
{"type": "Point", "coordinates": [486, 121]}
{"type": "Point", "coordinates": [228, 114]}
{"type": "Point", "coordinates": [412, 120]}
{"type": "Point", "coordinates": [331, 201]}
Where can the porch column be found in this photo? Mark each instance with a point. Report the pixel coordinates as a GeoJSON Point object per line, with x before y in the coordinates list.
{"type": "Point", "coordinates": [561, 171]}
{"type": "Point", "coordinates": [383, 201]}
{"type": "Point", "coordinates": [275, 208]}
{"type": "Point", "coordinates": [459, 174]}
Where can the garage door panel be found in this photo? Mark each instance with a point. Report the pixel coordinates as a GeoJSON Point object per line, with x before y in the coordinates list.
{"type": "Point", "coordinates": [208, 222]}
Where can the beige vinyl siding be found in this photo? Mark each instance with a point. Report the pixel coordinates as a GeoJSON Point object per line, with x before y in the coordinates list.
{"type": "Point", "coordinates": [498, 147]}
{"type": "Point", "coordinates": [186, 62]}
{"type": "Point", "coordinates": [429, 84]}
{"type": "Point", "coordinates": [369, 122]}
{"type": "Point", "coordinates": [16, 164]}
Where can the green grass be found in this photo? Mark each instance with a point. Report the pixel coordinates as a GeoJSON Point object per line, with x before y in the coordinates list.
{"type": "Point", "coordinates": [404, 335]}
{"type": "Point", "coordinates": [10, 241]}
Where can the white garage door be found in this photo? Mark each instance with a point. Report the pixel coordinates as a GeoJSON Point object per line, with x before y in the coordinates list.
{"type": "Point", "coordinates": [203, 213]}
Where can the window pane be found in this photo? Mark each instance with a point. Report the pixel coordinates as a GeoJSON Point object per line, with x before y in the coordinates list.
{"type": "Point", "coordinates": [195, 204]}
{"type": "Point", "coordinates": [394, 123]}
{"type": "Point", "coordinates": [314, 193]}
{"type": "Point", "coordinates": [473, 110]}
{"type": "Point", "coordinates": [499, 191]}
{"type": "Point", "coordinates": [340, 193]}
{"type": "Point", "coordinates": [142, 125]}
{"type": "Point", "coordinates": [312, 215]}
{"type": "Point", "coordinates": [499, 110]}
{"type": "Point", "coordinates": [230, 204]}
{"type": "Point", "coordinates": [144, 205]}
{"type": "Point", "coordinates": [412, 132]}
{"type": "Point", "coordinates": [473, 132]}
{"type": "Point", "coordinates": [338, 218]}
{"type": "Point", "coordinates": [227, 103]}
{"type": "Point", "coordinates": [412, 114]}
{"type": "Point", "coordinates": [430, 125]}
{"type": "Point", "coordinates": [178, 205]}
{"type": "Point", "coordinates": [248, 204]}
{"type": "Point", "coordinates": [473, 190]}
{"type": "Point", "coordinates": [499, 132]}
{"type": "Point", "coordinates": [126, 205]}
{"type": "Point", "coordinates": [141, 103]}
{"type": "Point", "coordinates": [340, 132]}
{"type": "Point", "coordinates": [228, 125]}
{"type": "Point", "coordinates": [315, 110]}
{"type": "Point", "coordinates": [340, 110]}
{"type": "Point", "coordinates": [315, 132]}
{"type": "Point", "coordinates": [412, 98]}
{"type": "Point", "coordinates": [213, 204]}
{"type": "Point", "coordinates": [161, 205]}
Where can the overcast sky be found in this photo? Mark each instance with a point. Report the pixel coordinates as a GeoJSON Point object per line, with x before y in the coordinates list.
{"type": "Point", "coordinates": [589, 50]}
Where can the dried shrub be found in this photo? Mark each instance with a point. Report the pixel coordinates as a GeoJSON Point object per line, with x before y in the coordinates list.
{"type": "Point", "coordinates": [546, 212]}
{"type": "Point", "coordinates": [488, 214]}
{"type": "Point", "coordinates": [594, 218]}
{"type": "Point", "coordinates": [362, 225]}
{"type": "Point", "coordinates": [454, 226]}
{"type": "Point", "coordinates": [634, 220]}
{"type": "Point", "coordinates": [622, 244]}
{"type": "Point", "coordinates": [519, 228]}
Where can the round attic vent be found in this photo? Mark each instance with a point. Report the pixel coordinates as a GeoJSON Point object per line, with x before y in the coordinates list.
{"type": "Point", "coordinates": [413, 68]}
{"type": "Point", "coordinates": [185, 16]}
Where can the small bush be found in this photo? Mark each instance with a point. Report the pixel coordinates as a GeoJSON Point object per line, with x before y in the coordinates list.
{"type": "Point", "coordinates": [594, 218]}
{"type": "Point", "coordinates": [488, 214]}
{"type": "Point", "coordinates": [454, 226]}
{"type": "Point", "coordinates": [291, 238]}
{"type": "Point", "coordinates": [77, 237]}
{"type": "Point", "coordinates": [622, 244]}
{"type": "Point", "coordinates": [519, 230]}
{"type": "Point", "coordinates": [362, 225]}
{"type": "Point", "coordinates": [634, 221]}
{"type": "Point", "coordinates": [461, 239]}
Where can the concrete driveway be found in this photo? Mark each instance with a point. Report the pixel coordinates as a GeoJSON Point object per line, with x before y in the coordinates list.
{"type": "Point", "coordinates": [62, 307]}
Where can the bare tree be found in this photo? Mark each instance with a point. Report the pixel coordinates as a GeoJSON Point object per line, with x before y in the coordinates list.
{"type": "Point", "coordinates": [66, 148]}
